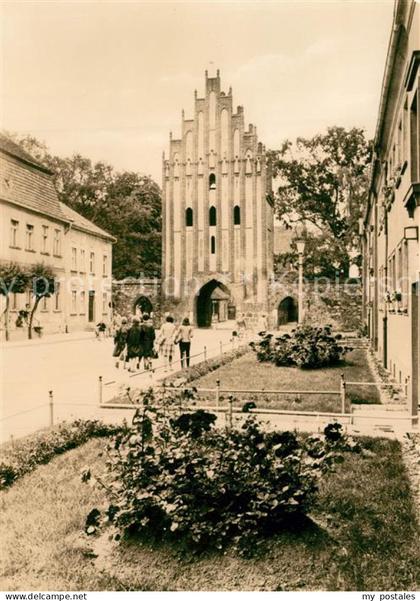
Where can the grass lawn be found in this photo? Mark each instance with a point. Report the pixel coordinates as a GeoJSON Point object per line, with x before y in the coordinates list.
{"type": "Point", "coordinates": [247, 373]}
{"type": "Point", "coordinates": [363, 536]}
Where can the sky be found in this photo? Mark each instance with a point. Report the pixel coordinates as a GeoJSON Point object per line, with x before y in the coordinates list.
{"type": "Point", "coordinates": [109, 79]}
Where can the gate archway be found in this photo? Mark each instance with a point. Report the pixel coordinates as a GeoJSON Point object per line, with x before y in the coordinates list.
{"type": "Point", "coordinates": [212, 304]}
{"type": "Point", "coordinates": [143, 304]}
{"type": "Point", "coordinates": [287, 311]}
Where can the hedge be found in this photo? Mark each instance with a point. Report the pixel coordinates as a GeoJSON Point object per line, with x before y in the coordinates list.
{"type": "Point", "coordinates": [23, 456]}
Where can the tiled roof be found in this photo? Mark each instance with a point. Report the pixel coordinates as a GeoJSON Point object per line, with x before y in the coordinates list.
{"type": "Point", "coordinates": [84, 224]}
{"type": "Point", "coordinates": [28, 186]}
{"type": "Point", "coordinates": [27, 183]}
{"type": "Point", "coordinates": [13, 149]}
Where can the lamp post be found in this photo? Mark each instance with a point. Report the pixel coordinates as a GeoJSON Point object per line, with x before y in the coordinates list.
{"type": "Point", "coordinates": [300, 245]}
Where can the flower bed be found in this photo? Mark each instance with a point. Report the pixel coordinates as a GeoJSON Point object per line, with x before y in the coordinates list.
{"type": "Point", "coordinates": [23, 456]}
{"type": "Point", "coordinates": [174, 477]}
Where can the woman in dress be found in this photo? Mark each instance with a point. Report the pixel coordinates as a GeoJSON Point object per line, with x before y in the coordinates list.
{"type": "Point", "coordinates": [166, 341]}
{"type": "Point", "coordinates": [134, 344]}
{"type": "Point", "coordinates": [148, 338]}
{"type": "Point", "coordinates": [120, 340]}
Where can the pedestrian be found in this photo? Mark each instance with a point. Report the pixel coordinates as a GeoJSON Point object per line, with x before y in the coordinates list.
{"type": "Point", "coordinates": [262, 324]}
{"type": "Point", "coordinates": [241, 325]}
{"type": "Point", "coordinates": [120, 341]}
{"type": "Point", "coordinates": [147, 340]}
{"type": "Point", "coordinates": [100, 330]}
{"type": "Point", "coordinates": [183, 338]}
{"type": "Point", "coordinates": [134, 344]}
{"type": "Point", "coordinates": [166, 341]}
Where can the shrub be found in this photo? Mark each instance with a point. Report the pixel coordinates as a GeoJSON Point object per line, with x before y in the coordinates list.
{"type": "Point", "coordinates": [306, 347]}
{"type": "Point", "coordinates": [23, 456]}
{"type": "Point", "coordinates": [179, 479]}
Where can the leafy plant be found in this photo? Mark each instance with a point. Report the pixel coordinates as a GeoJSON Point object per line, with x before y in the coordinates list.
{"type": "Point", "coordinates": [43, 285]}
{"type": "Point", "coordinates": [181, 480]}
{"type": "Point", "coordinates": [13, 280]}
{"type": "Point", "coordinates": [306, 346]}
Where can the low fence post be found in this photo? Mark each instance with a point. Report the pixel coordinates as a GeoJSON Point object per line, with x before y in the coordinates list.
{"type": "Point", "coordinates": [51, 406]}
{"type": "Point", "coordinates": [217, 393]}
{"type": "Point", "coordinates": [205, 353]}
{"type": "Point", "coordinates": [100, 389]}
{"type": "Point", "coordinates": [343, 393]}
{"type": "Point", "coordinates": [230, 413]}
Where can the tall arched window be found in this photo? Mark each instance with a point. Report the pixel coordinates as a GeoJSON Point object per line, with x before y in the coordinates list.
{"type": "Point", "coordinates": [212, 216]}
{"type": "Point", "coordinates": [212, 181]}
{"type": "Point", "coordinates": [213, 245]}
{"type": "Point", "coordinates": [189, 217]}
{"type": "Point", "coordinates": [236, 215]}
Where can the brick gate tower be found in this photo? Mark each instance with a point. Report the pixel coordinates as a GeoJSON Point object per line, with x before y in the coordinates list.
{"type": "Point", "coordinates": [217, 214]}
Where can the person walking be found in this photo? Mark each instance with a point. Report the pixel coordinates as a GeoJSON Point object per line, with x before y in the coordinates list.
{"type": "Point", "coordinates": [134, 344]}
{"type": "Point", "coordinates": [166, 341]}
{"type": "Point", "coordinates": [147, 340]}
{"type": "Point", "coordinates": [120, 341]}
{"type": "Point", "coordinates": [183, 338]}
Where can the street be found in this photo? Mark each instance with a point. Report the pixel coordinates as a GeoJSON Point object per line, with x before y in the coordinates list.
{"type": "Point", "coordinates": [70, 369]}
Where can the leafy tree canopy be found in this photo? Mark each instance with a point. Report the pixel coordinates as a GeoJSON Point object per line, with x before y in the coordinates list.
{"type": "Point", "coordinates": [126, 204]}
{"type": "Point", "coordinates": [322, 185]}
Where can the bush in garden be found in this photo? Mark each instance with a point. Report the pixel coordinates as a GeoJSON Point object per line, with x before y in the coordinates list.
{"type": "Point", "coordinates": [208, 488]}
{"type": "Point", "coordinates": [306, 347]}
{"type": "Point", "coordinates": [23, 456]}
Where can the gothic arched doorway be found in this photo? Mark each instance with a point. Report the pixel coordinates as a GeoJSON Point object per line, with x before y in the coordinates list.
{"type": "Point", "coordinates": [287, 311]}
{"type": "Point", "coordinates": [212, 304]}
{"type": "Point", "coordinates": [143, 305]}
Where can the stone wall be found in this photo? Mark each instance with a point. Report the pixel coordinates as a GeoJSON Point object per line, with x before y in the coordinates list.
{"type": "Point", "coordinates": [324, 302]}
{"type": "Point", "coordinates": [127, 293]}
{"type": "Point", "coordinates": [339, 305]}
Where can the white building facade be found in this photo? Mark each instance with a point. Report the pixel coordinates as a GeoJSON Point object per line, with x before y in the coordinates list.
{"type": "Point", "coordinates": [36, 228]}
{"type": "Point", "coordinates": [392, 220]}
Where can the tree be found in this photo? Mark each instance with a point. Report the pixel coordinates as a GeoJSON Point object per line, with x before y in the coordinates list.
{"type": "Point", "coordinates": [13, 280]}
{"type": "Point", "coordinates": [43, 285]}
{"type": "Point", "coordinates": [323, 183]}
{"type": "Point", "coordinates": [125, 204]}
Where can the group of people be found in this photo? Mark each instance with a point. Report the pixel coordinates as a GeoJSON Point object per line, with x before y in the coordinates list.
{"type": "Point", "coordinates": [137, 340]}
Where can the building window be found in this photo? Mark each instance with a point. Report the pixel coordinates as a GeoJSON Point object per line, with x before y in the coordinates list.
{"type": "Point", "coordinates": [404, 132]}
{"type": "Point", "coordinates": [414, 141]}
{"type": "Point", "coordinates": [14, 302]}
{"type": "Point", "coordinates": [82, 260]}
{"type": "Point", "coordinates": [104, 265]}
{"type": "Point", "coordinates": [44, 304]}
{"type": "Point", "coordinates": [57, 243]}
{"type": "Point", "coordinates": [212, 181]}
{"type": "Point", "coordinates": [29, 244]}
{"type": "Point", "coordinates": [405, 284]}
{"type": "Point", "coordinates": [212, 216]}
{"type": "Point", "coordinates": [213, 245]}
{"type": "Point", "coordinates": [189, 217]}
{"type": "Point", "coordinates": [236, 215]}
{"type": "Point", "coordinates": [57, 299]}
{"type": "Point", "coordinates": [104, 303]}
{"type": "Point", "coordinates": [82, 302]}
{"type": "Point", "coordinates": [92, 263]}
{"type": "Point", "coordinates": [14, 233]}
{"type": "Point", "coordinates": [74, 259]}
{"type": "Point", "coordinates": [74, 302]}
{"type": "Point", "coordinates": [399, 145]}
{"type": "Point", "coordinates": [45, 238]}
